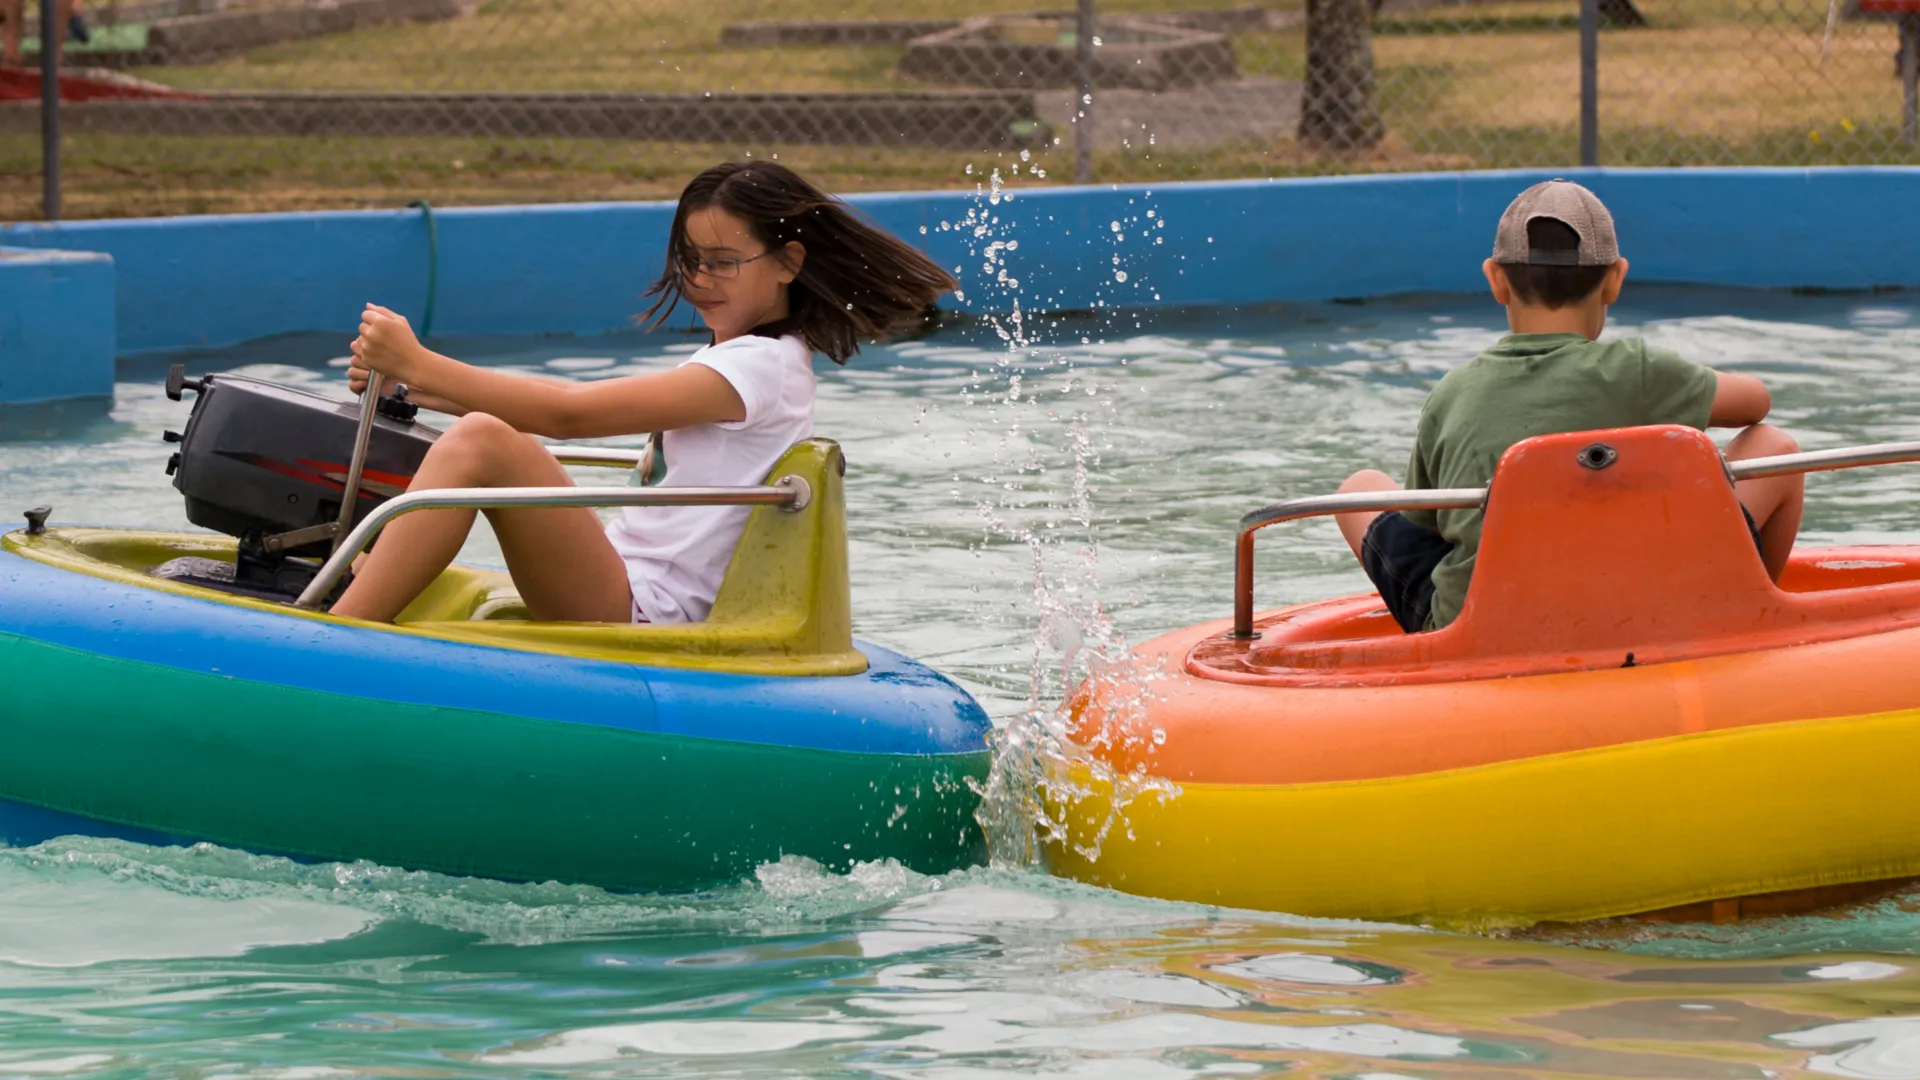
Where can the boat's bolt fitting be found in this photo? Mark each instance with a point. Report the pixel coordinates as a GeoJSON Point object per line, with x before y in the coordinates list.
{"type": "Point", "coordinates": [802, 493]}
{"type": "Point", "coordinates": [1598, 456]}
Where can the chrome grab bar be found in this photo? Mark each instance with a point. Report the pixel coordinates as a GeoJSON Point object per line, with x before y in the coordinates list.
{"type": "Point", "coordinates": [790, 493]}
{"type": "Point", "coordinates": [1325, 506]}
{"type": "Point", "coordinates": [1843, 457]}
{"type": "Point", "coordinates": [601, 456]}
{"type": "Point", "coordinates": [1846, 457]}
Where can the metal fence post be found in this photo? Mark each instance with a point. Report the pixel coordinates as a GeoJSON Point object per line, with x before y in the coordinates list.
{"type": "Point", "coordinates": [1083, 92]}
{"type": "Point", "coordinates": [1589, 83]}
{"type": "Point", "coordinates": [51, 39]}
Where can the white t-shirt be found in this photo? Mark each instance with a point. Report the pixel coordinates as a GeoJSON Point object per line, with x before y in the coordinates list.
{"type": "Point", "coordinates": [677, 555]}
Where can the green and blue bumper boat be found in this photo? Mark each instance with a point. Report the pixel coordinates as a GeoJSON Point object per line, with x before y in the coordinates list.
{"type": "Point", "coordinates": [466, 739]}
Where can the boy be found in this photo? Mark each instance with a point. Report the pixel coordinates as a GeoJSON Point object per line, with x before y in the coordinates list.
{"type": "Point", "coordinates": [1556, 267]}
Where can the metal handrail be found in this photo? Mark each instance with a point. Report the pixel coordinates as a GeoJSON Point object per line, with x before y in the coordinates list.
{"type": "Point", "coordinates": [604, 456]}
{"type": "Point", "coordinates": [1846, 457]}
{"type": "Point", "coordinates": [1843, 457]}
{"type": "Point", "coordinates": [789, 493]}
{"type": "Point", "coordinates": [1325, 506]}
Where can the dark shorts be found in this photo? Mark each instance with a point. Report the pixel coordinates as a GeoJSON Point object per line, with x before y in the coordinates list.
{"type": "Point", "coordinates": [1399, 557]}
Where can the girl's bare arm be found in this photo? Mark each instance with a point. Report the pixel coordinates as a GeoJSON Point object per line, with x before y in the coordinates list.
{"type": "Point", "coordinates": [559, 410]}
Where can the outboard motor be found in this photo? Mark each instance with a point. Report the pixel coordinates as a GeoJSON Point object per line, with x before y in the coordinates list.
{"type": "Point", "coordinates": [268, 464]}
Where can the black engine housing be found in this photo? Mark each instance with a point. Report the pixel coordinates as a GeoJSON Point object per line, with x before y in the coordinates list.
{"type": "Point", "coordinates": [258, 460]}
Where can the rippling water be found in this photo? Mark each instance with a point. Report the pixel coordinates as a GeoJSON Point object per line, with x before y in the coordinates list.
{"type": "Point", "coordinates": [1009, 509]}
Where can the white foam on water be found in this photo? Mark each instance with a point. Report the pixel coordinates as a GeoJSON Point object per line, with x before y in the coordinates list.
{"type": "Point", "coordinates": [1166, 1031]}
{"type": "Point", "coordinates": [1886, 1048]}
{"type": "Point", "coordinates": [983, 908]}
{"type": "Point", "coordinates": [1095, 1069]}
{"type": "Point", "coordinates": [1881, 317]}
{"type": "Point", "coordinates": [1856, 971]}
{"type": "Point", "coordinates": [1150, 989]}
{"type": "Point", "coordinates": [1311, 968]}
{"type": "Point", "coordinates": [881, 943]}
{"type": "Point", "coordinates": [974, 1022]}
{"type": "Point", "coordinates": [70, 923]}
{"type": "Point", "coordinates": [678, 1038]}
{"type": "Point", "coordinates": [60, 1066]}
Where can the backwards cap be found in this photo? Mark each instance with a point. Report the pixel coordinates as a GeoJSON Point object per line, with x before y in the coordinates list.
{"type": "Point", "coordinates": [1568, 203]}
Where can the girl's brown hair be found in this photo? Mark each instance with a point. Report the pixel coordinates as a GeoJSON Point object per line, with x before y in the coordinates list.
{"type": "Point", "coordinates": [857, 282]}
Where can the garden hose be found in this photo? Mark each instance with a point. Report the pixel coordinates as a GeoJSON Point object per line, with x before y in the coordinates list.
{"type": "Point", "coordinates": [433, 264]}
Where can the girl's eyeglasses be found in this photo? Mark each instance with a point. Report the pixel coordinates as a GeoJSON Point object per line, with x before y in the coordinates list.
{"type": "Point", "coordinates": [719, 269]}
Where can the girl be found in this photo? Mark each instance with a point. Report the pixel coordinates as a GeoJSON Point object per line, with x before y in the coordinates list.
{"type": "Point", "coordinates": [777, 271]}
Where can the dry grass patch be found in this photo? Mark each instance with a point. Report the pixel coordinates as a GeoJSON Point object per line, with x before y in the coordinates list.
{"type": "Point", "coordinates": [631, 45]}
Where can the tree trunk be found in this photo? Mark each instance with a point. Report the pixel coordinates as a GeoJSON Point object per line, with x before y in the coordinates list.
{"type": "Point", "coordinates": [1339, 110]}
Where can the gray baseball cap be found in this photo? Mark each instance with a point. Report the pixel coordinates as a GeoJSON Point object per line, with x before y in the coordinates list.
{"type": "Point", "coordinates": [1566, 202]}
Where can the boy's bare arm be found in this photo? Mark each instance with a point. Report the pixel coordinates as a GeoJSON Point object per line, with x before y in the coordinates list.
{"type": "Point", "coordinates": [1738, 401]}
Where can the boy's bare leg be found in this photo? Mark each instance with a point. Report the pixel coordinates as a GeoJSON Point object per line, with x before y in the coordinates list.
{"type": "Point", "coordinates": [1775, 502]}
{"type": "Point", "coordinates": [1354, 526]}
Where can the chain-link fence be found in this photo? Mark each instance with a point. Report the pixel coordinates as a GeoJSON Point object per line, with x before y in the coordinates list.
{"type": "Point", "coordinates": [223, 105]}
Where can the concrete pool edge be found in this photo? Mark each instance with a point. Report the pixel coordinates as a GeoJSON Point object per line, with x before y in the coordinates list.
{"type": "Point", "coordinates": [581, 268]}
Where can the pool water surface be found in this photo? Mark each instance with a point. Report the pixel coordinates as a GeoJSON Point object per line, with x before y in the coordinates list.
{"type": "Point", "coordinates": [1011, 510]}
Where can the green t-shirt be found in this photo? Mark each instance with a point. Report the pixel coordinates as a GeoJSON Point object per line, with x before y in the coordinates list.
{"type": "Point", "coordinates": [1528, 385]}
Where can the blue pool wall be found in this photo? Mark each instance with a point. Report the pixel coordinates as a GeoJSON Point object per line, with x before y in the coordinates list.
{"type": "Point", "coordinates": [580, 269]}
{"type": "Point", "coordinates": [57, 326]}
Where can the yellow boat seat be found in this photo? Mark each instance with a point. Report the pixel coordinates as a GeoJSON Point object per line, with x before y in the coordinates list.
{"type": "Point", "coordinates": [784, 608]}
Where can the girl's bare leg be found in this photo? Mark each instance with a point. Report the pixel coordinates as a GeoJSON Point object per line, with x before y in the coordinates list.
{"type": "Point", "coordinates": [1775, 502]}
{"type": "Point", "coordinates": [561, 561]}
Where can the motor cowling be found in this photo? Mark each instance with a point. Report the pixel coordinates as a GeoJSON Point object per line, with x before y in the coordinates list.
{"type": "Point", "coordinates": [259, 461]}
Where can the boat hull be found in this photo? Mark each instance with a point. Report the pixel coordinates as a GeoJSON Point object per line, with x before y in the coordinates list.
{"type": "Point", "coordinates": [147, 714]}
{"type": "Point", "coordinates": [1570, 837]}
{"type": "Point", "coordinates": [1505, 802]}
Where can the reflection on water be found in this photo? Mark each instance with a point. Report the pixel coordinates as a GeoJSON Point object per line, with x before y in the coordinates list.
{"type": "Point", "coordinates": [1010, 513]}
{"type": "Point", "coordinates": [879, 973]}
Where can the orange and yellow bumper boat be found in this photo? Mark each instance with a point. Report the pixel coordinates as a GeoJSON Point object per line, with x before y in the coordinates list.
{"type": "Point", "coordinates": [1628, 716]}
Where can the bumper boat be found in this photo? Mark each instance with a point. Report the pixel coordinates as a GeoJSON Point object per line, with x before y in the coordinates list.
{"type": "Point", "coordinates": [211, 703]}
{"type": "Point", "coordinates": [1627, 717]}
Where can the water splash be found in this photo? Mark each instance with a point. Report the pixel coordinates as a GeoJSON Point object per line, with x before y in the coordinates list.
{"type": "Point", "coordinates": [1050, 410]}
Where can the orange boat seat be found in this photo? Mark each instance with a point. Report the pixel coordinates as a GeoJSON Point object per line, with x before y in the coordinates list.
{"type": "Point", "coordinates": [1644, 559]}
